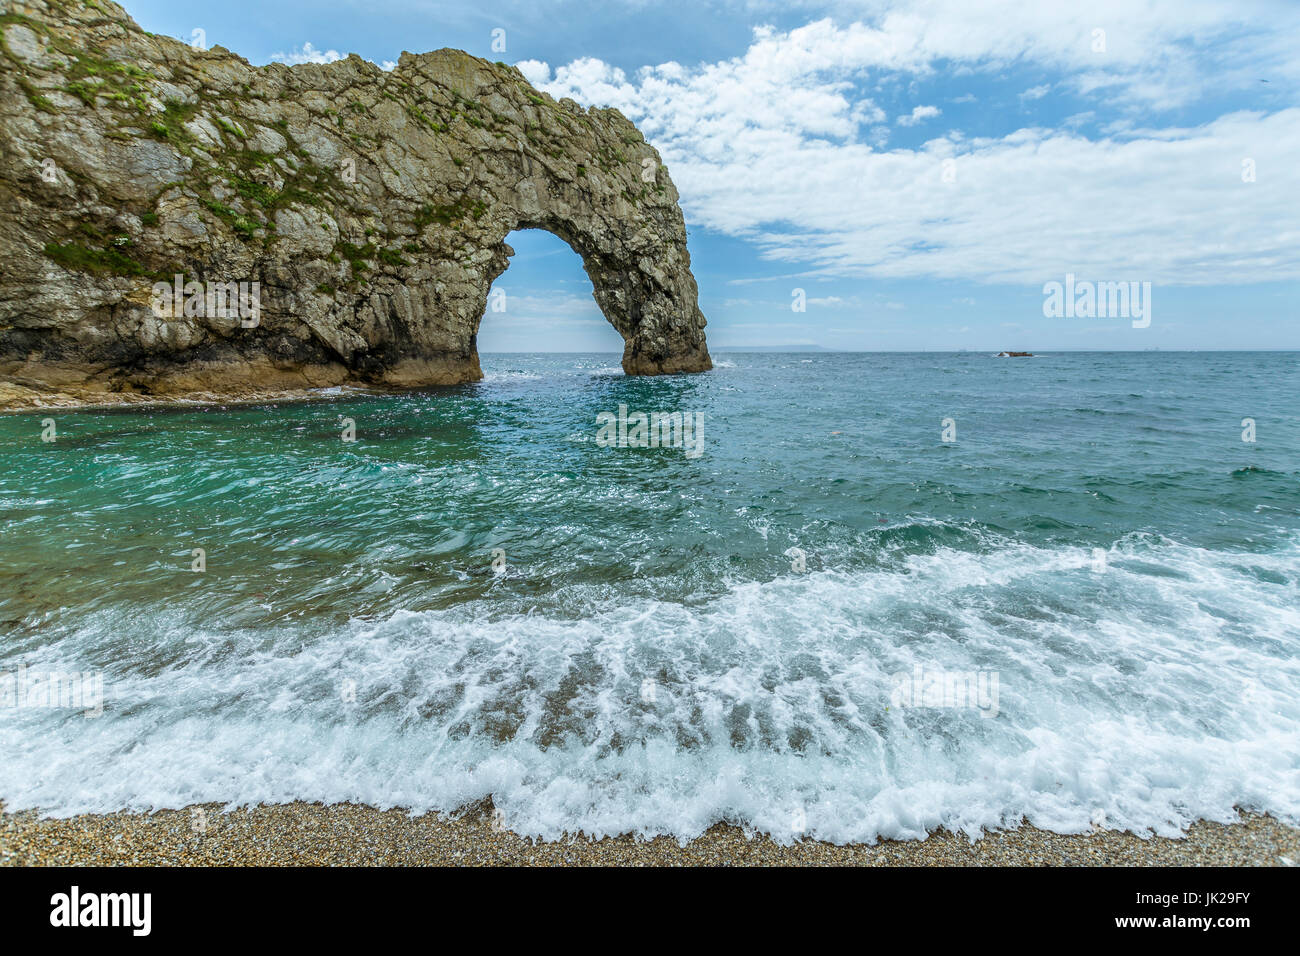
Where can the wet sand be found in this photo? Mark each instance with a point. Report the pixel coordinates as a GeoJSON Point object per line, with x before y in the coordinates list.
{"type": "Point", "coordinates": [303, 834]}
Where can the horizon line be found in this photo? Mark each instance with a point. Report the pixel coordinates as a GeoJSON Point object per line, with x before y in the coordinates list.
{"type": "Point", "coordinates": [820, 348]}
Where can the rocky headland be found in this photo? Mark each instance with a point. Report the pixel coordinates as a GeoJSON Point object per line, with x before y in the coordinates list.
{"type": "Point", "coordinates": [314, 225]}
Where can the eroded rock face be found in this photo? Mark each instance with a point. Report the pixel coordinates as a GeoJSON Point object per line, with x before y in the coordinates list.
{"type": "Point", "coordinates": [371, 208]}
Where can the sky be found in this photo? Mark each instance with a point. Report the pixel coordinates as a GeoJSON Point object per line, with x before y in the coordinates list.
{"type": "Point", "coordinates": [914, 173]}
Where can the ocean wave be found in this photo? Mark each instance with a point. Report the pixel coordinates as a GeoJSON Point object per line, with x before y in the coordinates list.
{"type": "Point", "coordinates": [1138, 687]}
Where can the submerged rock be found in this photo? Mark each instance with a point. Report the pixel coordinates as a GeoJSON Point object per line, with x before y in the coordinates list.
{"type": "Point", "coordinates": [366, 211]}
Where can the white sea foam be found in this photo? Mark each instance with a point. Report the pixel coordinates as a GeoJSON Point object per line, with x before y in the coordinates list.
{"type": "Point", "coordinates": [509, 375]}
{"type": "Point", "coordinates": [1162, 689]}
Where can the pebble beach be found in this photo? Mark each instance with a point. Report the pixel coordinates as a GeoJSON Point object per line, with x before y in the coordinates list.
{"type": "Point", "coordinates": [306, 834]}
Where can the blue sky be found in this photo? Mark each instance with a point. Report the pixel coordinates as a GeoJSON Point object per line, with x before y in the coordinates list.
{"type": "Point", "coordinates": [919, 168]}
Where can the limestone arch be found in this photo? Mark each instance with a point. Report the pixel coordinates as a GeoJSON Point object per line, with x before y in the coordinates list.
{"type": "Point", "coordinates": [371, 206]}
{"type": "Point", "coordinates": [639, 273]}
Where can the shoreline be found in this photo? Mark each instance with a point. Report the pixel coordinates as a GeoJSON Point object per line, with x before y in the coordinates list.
{"type": "Point", "coordinates": [312, 834]}
{"type": "Point", "coordinates": [19, 399]}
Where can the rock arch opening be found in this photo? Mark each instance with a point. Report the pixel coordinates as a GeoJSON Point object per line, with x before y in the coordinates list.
{"type": "Point", "coordinates": [544, 301]}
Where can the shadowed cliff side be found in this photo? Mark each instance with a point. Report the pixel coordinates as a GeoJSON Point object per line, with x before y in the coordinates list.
{"type": "Point", "coordinates": [370, 208]}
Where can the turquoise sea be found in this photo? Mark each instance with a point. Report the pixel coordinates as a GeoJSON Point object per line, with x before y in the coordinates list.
{"type": "Point", "coordinates": [832, 622]}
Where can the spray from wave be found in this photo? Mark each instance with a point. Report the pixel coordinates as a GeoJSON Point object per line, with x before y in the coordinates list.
{"type": "Point", "coordinates": [1141, 690]}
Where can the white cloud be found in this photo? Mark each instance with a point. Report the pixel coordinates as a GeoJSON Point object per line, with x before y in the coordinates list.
{"type": "Point", "coordinates": [1163, 52]}
{"type": "Point", "coordinates": [918, 114]}
{"type": "Point", "coordinates": [535, 72]}
{"type": "Point", "coordinates": [1036, 92]}
{"type": "Point", "coordinates": [526, 307]}
{"type": "Point", "coordinates": [775, 146]}
{"type": "Point", "coordinates": [307, 54]}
